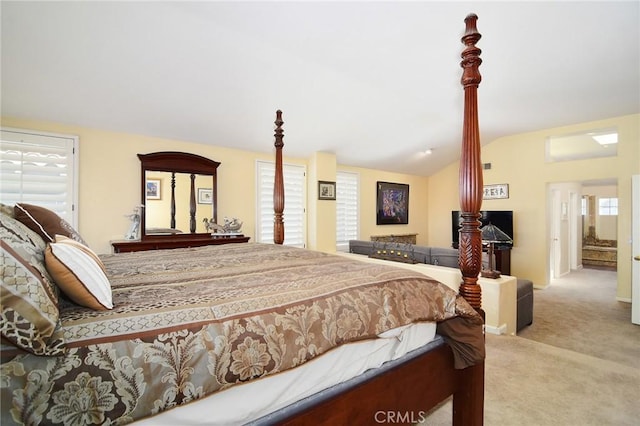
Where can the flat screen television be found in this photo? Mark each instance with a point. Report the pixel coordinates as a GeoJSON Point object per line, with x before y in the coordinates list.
{"type": "Point", "coordinates": [503, 219]}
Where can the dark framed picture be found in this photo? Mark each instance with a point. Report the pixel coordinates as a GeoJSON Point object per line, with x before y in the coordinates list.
{"type": "Point", "coordinates": [153, 189]}
{"type": "Point", "coordinates": [205, 196]}
{"type": "Point", "coordinates": [326, 190]}
{"type": "Point", "coordinates": [392, 203]}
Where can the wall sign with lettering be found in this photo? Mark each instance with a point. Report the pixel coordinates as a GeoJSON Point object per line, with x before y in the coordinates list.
{"type": "Point", "coordinates": [493, 192]}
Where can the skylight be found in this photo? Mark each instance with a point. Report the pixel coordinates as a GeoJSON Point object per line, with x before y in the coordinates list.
{"type": "Point", "coordinates": [606, 139]}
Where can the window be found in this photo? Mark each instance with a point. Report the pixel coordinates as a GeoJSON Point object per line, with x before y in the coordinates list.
{"type": "Point", "coordinates": [40, 168]}
{"type": "Point", "coordinates": [294, 205]}
{"type": "Point", "coordinates": [608, 207]}
{"type": "Point", "coordinates": [597, 143]}
{"type": "Point", "coordinates": [346, 209]}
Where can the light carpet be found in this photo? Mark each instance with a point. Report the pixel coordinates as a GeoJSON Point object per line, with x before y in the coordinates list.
{"type": "Point", "coordinates": [577, 364]}
{"type": "Point", "coordinates": [531, 383]}
{"type": "Point", "coordinates": [580, 312]}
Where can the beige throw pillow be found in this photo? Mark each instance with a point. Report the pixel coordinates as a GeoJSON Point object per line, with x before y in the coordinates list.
{"type": "Point", "coordinates": [66, 240]}
{"type": "Point", "coordinates": [79, 274]}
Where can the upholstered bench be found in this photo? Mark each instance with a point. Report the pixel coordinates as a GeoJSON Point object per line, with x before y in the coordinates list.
{"type": "Point", "coordinates": [524, 304]}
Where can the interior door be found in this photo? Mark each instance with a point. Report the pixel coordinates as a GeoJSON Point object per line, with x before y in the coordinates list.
{"type": "Point", "coordinates": [635, 249]}
{"type": "Point", "coordinates": [575, 241]}
{"type": "Point", "coordinates": [555, 243]}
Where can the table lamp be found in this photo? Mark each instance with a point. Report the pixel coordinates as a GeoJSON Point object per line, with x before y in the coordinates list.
{"type": "Point", "coordinates": [491, 235]}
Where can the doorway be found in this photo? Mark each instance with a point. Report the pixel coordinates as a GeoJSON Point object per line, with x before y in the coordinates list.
{"type": "Point", "coordinates": [635, 247]}
{"type": "Point", "coordinates": [600, 226]}
{"type": "Point", "coordinates": [583, 226]}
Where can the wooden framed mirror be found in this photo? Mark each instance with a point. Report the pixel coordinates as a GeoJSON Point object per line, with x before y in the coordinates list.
{"type": "Point", "coordinates": [178, 191]}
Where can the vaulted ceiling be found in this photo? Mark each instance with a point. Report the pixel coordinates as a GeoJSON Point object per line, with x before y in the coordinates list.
{"type": "Point", "coordinates": [376, 83]}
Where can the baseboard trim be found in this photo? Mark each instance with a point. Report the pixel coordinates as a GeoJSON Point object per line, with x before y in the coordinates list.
{"type": "Point", "coordinates": [496, 330]}
{"type": "Point", "coordinates": [623, 299]}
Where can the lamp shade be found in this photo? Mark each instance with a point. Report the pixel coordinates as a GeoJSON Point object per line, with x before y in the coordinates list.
{"type": "Point", "coordinates": [492, 234]}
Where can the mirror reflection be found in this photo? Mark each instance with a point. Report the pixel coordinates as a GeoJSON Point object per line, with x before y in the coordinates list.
{"type": "Point", "coordinates": [179, 193]}
{"type": "Point", "coordinates": [158, 202]}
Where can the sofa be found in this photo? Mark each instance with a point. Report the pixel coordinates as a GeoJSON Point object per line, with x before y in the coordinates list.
{"type": "Point", "coordinates": [439, 256]}
{"type": "Point", "coordinates": [506, 293]}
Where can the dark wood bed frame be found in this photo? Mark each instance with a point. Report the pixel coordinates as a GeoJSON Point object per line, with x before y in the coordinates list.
{"type": "Point", "coordinates": [415, 387]}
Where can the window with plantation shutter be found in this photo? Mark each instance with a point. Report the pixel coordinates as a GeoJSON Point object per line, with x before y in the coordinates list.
{"type": "Point", "coordinates": [346, 209]}
{"type": "Point", "coordinates": [39, 168]}
{"type": "Point", "coordinates": [294, 203]}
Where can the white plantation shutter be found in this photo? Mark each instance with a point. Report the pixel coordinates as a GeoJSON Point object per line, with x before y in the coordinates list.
{"type": "Point", "coordinates": [346, 209]}
{"type": "Point", "coordinates": [39, 168]}
{"type": "Point", "coordinates": [294, 203]}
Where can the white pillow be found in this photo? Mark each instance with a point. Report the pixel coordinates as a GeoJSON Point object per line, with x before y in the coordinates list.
{"type": "Point", "coordinates": [79, 275]}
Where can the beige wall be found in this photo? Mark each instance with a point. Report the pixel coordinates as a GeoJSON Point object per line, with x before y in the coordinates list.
{"type": "Point", "coordinates": [109, 186]}
{"type": "Point", "coordinates": [110, 181]}
{"type": "Point", "coordinates": [418, 192]}
{"type": "Point", "coordinates": [519, 161]}
{"type": "Point", "coordinates": [321, 214]}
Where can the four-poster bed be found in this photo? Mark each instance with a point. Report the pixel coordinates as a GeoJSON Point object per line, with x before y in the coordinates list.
{"type": "Point", "coordinates": [409, 387]}
{"type": "Point", "coordinates": [191, 326]}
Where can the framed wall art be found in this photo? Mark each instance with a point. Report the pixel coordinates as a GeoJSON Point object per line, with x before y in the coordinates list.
{"type": "Point", "coordinates": [205, 196]}
{"type": "Point", "coordinates": [392, 203]}
{"type": "Point", "coordinates": [494, 192]}
{"type": "Point", "coordinates": [153, 189]}
{"type": "Point", "coordinates": [326, 190]}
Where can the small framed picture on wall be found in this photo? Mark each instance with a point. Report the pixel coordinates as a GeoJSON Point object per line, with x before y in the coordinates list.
{"type": "Point", "coordinates": [153, 189]}
{"type": "Point", "coordinates": [205, 196]}
{"type": "Point", "coordinates": [326, 190]}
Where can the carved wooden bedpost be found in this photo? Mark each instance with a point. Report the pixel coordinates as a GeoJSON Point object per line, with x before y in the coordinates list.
{"type": "Point", "coordinates": [278, 187]}
{"type": "Point", "coordinates": [173, 200]}
{"type": "Point", "coordinates": [470, 246]}
{"type": "Point", "coordinates": [192, 204]}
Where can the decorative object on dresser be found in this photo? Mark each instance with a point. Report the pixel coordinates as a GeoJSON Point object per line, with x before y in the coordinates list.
{"type": "Point", "coordinates": [211, 226]}
{"type": "Point", "coordinates": [134, 228]}
{"type": "Point", "coordinates": [491, 235]}
{"type": "Point", "coordinates": [392, 203]}
{"type": "Point", "coordinates": [232, 225]}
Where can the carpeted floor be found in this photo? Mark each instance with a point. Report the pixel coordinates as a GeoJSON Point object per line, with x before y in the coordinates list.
{"type": "Point", "coordinates": [577, 364]}
{"type": "Point", "coordinates": [580, 312]}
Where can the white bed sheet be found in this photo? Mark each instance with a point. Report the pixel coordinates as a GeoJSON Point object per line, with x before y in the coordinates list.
{"type": "Point", "coordinates": [249, 401]}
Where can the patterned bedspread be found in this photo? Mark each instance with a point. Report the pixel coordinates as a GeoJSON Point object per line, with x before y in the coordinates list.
{"type": "Point", "coordinates": [190, 322]}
